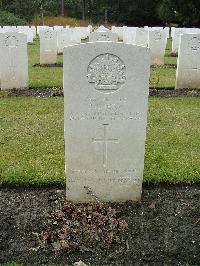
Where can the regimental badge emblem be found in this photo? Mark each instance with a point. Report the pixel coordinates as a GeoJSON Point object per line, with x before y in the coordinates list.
{"type": "Point", "coordinates": [107, 72]}
{"type": "Point", "coordinates": [194, 43]}
{"type": "Point", "coordinates": [157, 36]}
{"type": "Point", "coordinates": [48, 35]}
{"type": "Point", "coordinates": [11, 41]}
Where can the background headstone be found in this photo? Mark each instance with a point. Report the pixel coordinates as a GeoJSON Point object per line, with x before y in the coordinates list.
{"type": "Point", "coordinates": [13, 61]}
{"type": "Point", "coordinates": [129, 35]}
{"type": "Point", "coordinates": [102, 28]}
{"type": "Point", "coordinates": [157, 43]}
{"type": "Point", "coordinates": [141, 37]}
{"type": "Point", "coordinates": [63, 39]}
{"type": "Point", "coordinates": [188, 64]}
{"type": "Point", "coordinates": [103, 36]}
{"type": "Point", "coordinates": [48, 46]}
{"type": "Point", "coordinates": [176, 35]}
{"type": "Point", "coordinates": [119, 31]}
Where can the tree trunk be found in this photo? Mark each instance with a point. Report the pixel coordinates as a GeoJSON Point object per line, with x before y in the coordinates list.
{"type": "Point", "coordinates": [62, 8]}
{"type": "Point", "coordinates": [83, 9]}
{"type": "Point", "coordinates": [106, 16]}
{"type": "Point", "coordinates": [42, 12]}
{"type": "Point", "coordinates": [90, 8]}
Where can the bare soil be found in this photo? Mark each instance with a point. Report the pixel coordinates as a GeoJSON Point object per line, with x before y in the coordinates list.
{"type": "Point", "coordinates": [162, 229]}
{"type": "Point", "coordinates": [53, 92]}
{"type": "Point", "coordinates": [48, 65]}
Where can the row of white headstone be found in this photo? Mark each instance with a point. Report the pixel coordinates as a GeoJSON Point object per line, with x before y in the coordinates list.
{"type": "Point", "coordinates": [14, 59]}
{"type": "Point", "coordinates": [14, 54]}
{"type": "Point", "coordinates": [188, 64]}
{"type": "Point", "coordinates": [176, 36]}
{"type": "Point", "coordinates": [155, 38]}
{"type": "Point", "coordinates": [30, 32]}
{"type": "Point", "coordinates": [52, 41]}
{"type": "Point", "coordinates": [106, 87]}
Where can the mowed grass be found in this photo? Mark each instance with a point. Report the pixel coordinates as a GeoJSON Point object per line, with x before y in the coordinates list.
{"type": "Point", "coordinates": [173, 140]}
{"type": "Point", "coordinates": [164, 77]}
{"type": "Point", "coordinates": [43, 77]}
{"type": "Point", "coordinates": [32, 141]}
{"type": "Point", "coordinates": [47, 77]}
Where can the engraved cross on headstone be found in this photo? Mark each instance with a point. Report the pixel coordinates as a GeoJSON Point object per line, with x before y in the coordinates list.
{"type": "Point", "coordinates": [105, 140]}
{"type": "Point", "coordinates": [48, 48]}
{"type": "Point", "coordinates": [12, 65]}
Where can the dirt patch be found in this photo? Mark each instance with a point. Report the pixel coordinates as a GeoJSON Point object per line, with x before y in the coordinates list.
{"type": "Point", "coordinates": [173, 55]}
{"type": "Point", "coordinates": [165, 66]}
{"type": "Point", "coordinates": [162, 229]}
{"type": "Point", "coordinates": [48, 65]}
{"type": "Point", "coordinates": [54, 92]}
{"type": "Point", "coordinates": [159, 92]}
{"type": "Point", "coordinates": [36, 92]}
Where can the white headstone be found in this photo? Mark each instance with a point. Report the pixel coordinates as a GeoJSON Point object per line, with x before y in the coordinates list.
{"type": "Point", "coordinates": [103, 36]}
{"type": "Point", "coordinates": [6, 29]}
{"type": "Point", "coordinates": [157, 43]}
{"type": "Point", "coordinates": [129, 35]}
{"type": "Point", "coordinates": [102, 28]}
{"type": "Point", "coordinates": [84, 32]}
{"type": "Point", "coordinates": [75, 36]}
{"type": "Point", "coordinates": [39, 28]}
{"type": "Point", "coordinates": [63, 39]}
{"type": "Point", "coordinates": [33, 28]}
{"type": "Point", "coordinates": [106, 96]}
{"type": "Point", "coordinates": [191, 30]}
{"type": "Point", "coordinates": [58, 27]}
{"type": "Point", "coordinates": [141, 37]}
{"type": "Point", "coordinates": [90, 28]}
{"type": "Point", "coordinates": [188, 64]}
{"type": "Point", "coordinates": [172, 32]}
{"type": "Point", "coordinates": [27, 31]}
{"type": "Point", "coordinates": [13, 61]}
{"type": "Point", "coordinates": [177, 32]}
{"type": "Point", "coordinates": [167, 29]}
{"type": "Point", "coordinates": [119, 31]}
{"type": "Point", "coordinates": [48, 46]}
{"type": "Point", "coordinates": [156, 28]}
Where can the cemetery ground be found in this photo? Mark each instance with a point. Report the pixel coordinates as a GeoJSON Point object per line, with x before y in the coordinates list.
{"type": "Point", "coordinates": [162, 229]}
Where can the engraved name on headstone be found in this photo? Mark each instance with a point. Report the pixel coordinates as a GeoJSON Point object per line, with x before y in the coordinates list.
{"type": "Point", "coordinates": [106, 96]}
{"type": "Point", "coordinates": [103, 36]}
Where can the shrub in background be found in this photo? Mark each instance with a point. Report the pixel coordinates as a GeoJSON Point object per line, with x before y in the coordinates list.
{"type": "Point", "coordinates": [52, 21]}
{"type": "Point", "coordinates": [7, 18]}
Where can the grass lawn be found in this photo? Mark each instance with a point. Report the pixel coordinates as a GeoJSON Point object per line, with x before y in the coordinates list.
{"type": "Point", "coordinates": [32, 137]}
{"type": "Point", "coordinates": [32, 143]}
{"type": "Point", "coordinates": [164, 77]}
{"type": "Point", "coordinates": [47, 77]}
{"type": "Point", "coordinates": [32, 133]}
{"type": "Point", "coordinates": [43, 77]}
